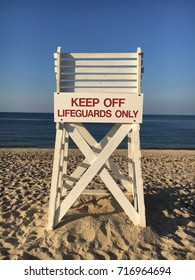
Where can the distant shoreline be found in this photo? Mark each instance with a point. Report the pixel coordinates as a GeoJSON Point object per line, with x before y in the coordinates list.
{"type": "Point", "coordinates": [75, 148]}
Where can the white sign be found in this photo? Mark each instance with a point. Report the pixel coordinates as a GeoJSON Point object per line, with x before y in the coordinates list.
{"type": "Point", "coordinates": [98, 107]}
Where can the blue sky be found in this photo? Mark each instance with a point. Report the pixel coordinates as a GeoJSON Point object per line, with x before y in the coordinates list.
{"type": "Point", "coordinates": [30, 32]}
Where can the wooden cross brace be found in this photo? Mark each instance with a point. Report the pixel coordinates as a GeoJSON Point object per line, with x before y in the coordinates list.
{"type": "Point", "coordinates": [97, 147]}
{"type": "Point", "coordinates": [94, 163]}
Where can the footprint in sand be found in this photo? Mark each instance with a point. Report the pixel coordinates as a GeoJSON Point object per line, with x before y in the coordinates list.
{"type": "Point", "coordinates": [71, 238]}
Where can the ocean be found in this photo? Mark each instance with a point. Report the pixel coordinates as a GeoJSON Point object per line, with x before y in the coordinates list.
{"type": "Point", "coordinates": [38, 130]}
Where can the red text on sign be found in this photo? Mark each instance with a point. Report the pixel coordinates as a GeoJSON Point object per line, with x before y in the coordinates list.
{"type": "Point", "coordinates": [112, 102]}
{"type": "Point", "coordinates": [126, 114]}
{"type": "Point", "coordinates": [84, 102]}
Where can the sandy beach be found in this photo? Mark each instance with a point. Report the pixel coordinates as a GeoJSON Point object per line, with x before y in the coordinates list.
{"type": "Point", "coordinates": [96, 227]}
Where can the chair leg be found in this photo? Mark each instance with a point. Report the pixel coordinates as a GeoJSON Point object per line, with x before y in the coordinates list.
{"type": "Point", "coordinates": [55, 176]}
{"type": "Point", "coordinates": [138, 182]}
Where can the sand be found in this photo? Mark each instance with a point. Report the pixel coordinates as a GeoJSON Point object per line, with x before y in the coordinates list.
{"type": "Point", "coordinates": [96, 227]}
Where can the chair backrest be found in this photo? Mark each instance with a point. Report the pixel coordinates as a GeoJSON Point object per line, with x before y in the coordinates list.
{"type": "Point", "coordinates": [98, 72]}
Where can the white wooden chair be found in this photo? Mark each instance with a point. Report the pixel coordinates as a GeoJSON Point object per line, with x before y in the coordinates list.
{"type": "Point", "coordinates": [97, 75]}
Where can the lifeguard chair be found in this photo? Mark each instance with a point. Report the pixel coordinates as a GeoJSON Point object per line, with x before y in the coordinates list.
{"type": "Point", "coordinates": [99, 88]}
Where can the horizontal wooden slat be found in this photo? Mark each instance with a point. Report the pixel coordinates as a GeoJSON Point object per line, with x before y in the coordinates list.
{"type": "Point", "coordinates": [98, 77]}
{"type": "Point", "coordinates": [118, 90]}
{"type": "Point", "coordinates": [95, 192]}
{"type": "Point", "coordinates": [133, 78]}
{"type": "Point", "coordinates": [98, 55]}
{"type": "Point", "coordinates": [101, 192]}
{"type": "Point", "coordinates": [99, 84]}
{"type": "Point", "coordinates": [118, 63]}
{"type": "Point", "coordinates": [102, 70]}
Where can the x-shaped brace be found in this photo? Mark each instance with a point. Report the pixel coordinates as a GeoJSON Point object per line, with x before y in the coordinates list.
{"type": "Point", "coordinates": [96, 147]}
{"type": "Point", "coordinates": [96, 163]}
